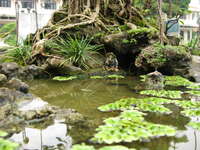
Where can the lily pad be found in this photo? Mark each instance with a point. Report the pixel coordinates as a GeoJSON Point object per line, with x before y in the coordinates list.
{"type": "Point", "coordinates": [115, 76]}
{"type": "Point", "coordinates": [177, 81]}
{"type": "Point", "coordinates": [163, 93]}
{"type": "Point", "coordinates": [60, 78]}
{"type": "Point", "coordinates": [96, 77]}
{"type": "Point", "coordinates": [130, 126]}
{"type": "Point", "coordinates": [195, 125]}
{"type": "Point", "coordinates": [151, 104]}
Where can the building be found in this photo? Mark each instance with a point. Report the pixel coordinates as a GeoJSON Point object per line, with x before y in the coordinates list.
{"type": "Point", "coordinates": [190, 27]}
{"type": "Point", "coordinates": [32, 14]}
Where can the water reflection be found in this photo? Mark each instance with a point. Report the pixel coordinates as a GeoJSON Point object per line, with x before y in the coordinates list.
{"type": "Point", "coordinates": [86, 95]}
{"type": "Point", "coordinates": [39, 139]}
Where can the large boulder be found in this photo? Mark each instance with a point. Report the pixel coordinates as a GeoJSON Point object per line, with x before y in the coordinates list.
{"type": "Point", "coordinates": [9, 69]}
{"type": "Point", "coordinates": [18, 85]}
{"type": "Point", "coordinates": [3, 79]}
{"type": "Point", "coordinates": [61, 66]}
{"type": "Point", "coordinates": [170, 60]}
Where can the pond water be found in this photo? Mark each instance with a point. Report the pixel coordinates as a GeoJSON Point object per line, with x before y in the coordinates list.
{"type": "Point", "coordinates": [85, 96]}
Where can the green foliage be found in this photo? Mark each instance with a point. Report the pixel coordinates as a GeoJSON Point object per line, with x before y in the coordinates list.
{"type": "Point", "coordinates": [86, 147]}
{"type": "Point", "coordinates": [195, 51]}
{"type": "Point", "coordinates": [177, 81]}
{"type": "Point", "coordinates": [18, 54]}
{"type": "Point", "coordinates": [194, 92]}
{"type": "Point", "coordinates": [77, 50]}
{"type": "Point", "coordinates": [186, 104]}
{"type": "Point", "coordinates": [163, 93]}
{"type": "Point", "coordinates": [191, 112]}
{"type": "Point", "coordinates": [8, 34]}
{"type": "Point", "coordinates": [61, 78]}
{"type": "Point", "coordinates": [149, 31]}
{"type": "Point", "coordinates": [82, 147]}
{"type": "Point", "coordinates": [195, 125]}
{"type": "Point", "coordinates": [115, 76]}
{"type": "Point", "coordinates": [96, 77]}
{"type": "Point", "coordinates": [5, 144]}
{"type": "Point", "coordinates": [151, 104]}
{"type": "Point", "coordinates": [130, 126]}
{"type": "Point", "coordinates": [117, 147]}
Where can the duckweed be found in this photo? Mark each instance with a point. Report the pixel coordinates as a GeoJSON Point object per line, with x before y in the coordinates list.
{"type": "Point", "coordinates": [177, 81]}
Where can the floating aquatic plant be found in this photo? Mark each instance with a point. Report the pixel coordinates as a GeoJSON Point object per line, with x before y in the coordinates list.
{"type": "Point", "coordinates": [195, 125]}
{"type": "Point", "coordinates": [177, 81]}
{"type": "Point", "coordinates": [194, 92]}
{"type": "Point", "coordinates": [5, 144]}
{"type": "Point", "coordinates": [191, 112]}
{"type": "Point", "coordinates": [151, 104]}
{"type": "Point", "coordinates": [186, 104]}
{"type": "Point", "coordinates": [130, 126]}
{"type": "Point", "coordinates": [115, 76]}
{"type": "Point", "coordinates": [96, 77]}
{"type": "Point", "coordinates": [60, 78]}
{"type": "Point", "coordinates": [87, 147]}
{"type": "Point", "coordinates": [163, 93]}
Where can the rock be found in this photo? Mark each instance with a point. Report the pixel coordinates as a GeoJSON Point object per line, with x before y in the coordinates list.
{"type": "Point", "coordinates": [61, 66]}
{"type": "Point", "coordinates": [169, 60]}
{"type": "Point", "coordinates": [97, 60]}
{"type": "Point", "coordinates": [154, 80]}
{"type": "Point", "coordinates": [3, 79]}
{"type": "Point", "coordinates": [34, 109]}
{"type": "Point", "coordinates": [9, 69]}
{"type": "Point", "coordinates": [18, 85]}
{"type": "Point", "coordinates": [195, 68]}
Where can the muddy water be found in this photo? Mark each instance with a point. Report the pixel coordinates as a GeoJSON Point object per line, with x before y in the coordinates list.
{"type": "Point", "coordinates": [85, 96]}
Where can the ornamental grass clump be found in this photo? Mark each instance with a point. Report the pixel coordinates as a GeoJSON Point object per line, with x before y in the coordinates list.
{"type": "Point", "coordinates": [76, 50]}
{"type": "Point", "coordinates": [20, 54]}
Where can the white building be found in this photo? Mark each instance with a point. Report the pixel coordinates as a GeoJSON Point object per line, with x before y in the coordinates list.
{"type": "Point", "coordinates": [190, 27]}
{"type": "Point", "coordinates": [33, 14]}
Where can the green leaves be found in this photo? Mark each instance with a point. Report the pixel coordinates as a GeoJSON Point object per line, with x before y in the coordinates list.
{"type": "Point", "coordinates": [130, 126]}
{"type": "Point", "coordinates": [163, 93]}
{"type": "Point", "coordinates": [86, 147]}
{"type": "Point", "coordinates": [195, 125]}
{"type": "Point", "coordinates": [151, 104]}
{"type": "Point", "coordinates": [5, 144]}
{"type": "Point", "coordinates": [177, 81]}
{"type": "Point", "coordinates": [60, 78]}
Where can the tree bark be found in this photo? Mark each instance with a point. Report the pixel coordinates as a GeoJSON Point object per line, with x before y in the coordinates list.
{"type": "Point", "coordinates": [170, 8]}
{"type": "Point", "coordinates": [161, 26]}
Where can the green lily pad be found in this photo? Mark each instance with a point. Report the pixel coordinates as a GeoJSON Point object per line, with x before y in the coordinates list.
{"type": "Point", "coordinates": [60, 78]}
{"type": "Point", "coordinates": [163, 93]}
{"type": "Point", "coordinates": [130, 126]}
{"type": "Point", "coordinates": [177, 81]}
{"type": "Point", "coordinates": [151, 104]}
{"type": "Point", "coordinates": [195, 125]}
{"type": "Point", "coordinates": [115, 76]}
{"type": "Point", "coordinates": [191, 112]}
{"type": "Point", "coordinates": [7, 145]}
{"type": "Point", "coordinates": [96, 77]}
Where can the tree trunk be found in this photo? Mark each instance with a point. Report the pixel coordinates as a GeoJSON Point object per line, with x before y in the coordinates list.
{"type": "Point", "coordinates": [170, 8]}
{"type": "Point", "coordinates": [160, 20]}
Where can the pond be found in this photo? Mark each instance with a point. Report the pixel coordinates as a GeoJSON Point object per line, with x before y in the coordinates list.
{"type": "Point", "coordinates": [86, 96]}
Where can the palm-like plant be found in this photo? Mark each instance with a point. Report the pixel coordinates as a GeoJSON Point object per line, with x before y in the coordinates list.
{"type": "Point", "coordinates": [19, 54]}
{"type": "Point", "coordinates": [77, 50]}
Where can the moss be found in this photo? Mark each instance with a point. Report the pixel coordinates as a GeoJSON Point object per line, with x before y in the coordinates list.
{"type": "Point", "coordinates": [150, 31]}
{"type": "Point", "coordinates": [158, 56]}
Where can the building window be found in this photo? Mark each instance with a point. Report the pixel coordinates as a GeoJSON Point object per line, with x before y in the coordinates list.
{"type": "Point", "coordinates": [27, 4]}
{"type": "Point", "coordinates": [193, 16]}
{"type": "Point", "coordinates": [50, 4]}
{"type": "Point", "coordinates": [5, 3]}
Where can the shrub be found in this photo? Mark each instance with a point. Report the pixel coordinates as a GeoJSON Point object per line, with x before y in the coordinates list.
{"type": "Point", "coordinates": [77, 50]}
{"type": "Point", "coordinates": [18, 54]}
